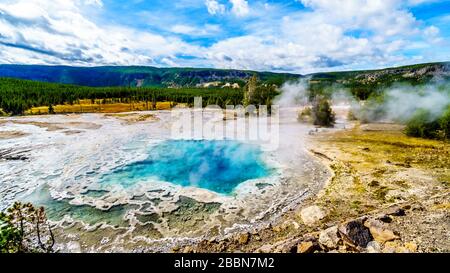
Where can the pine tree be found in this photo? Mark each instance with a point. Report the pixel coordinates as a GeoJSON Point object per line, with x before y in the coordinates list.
{"type": "Point", "coordinates": [50, 109]}
{"type": "Point", "coordinates": [322, 113]}
{"type": "Point", "coordinates": [250, 90]}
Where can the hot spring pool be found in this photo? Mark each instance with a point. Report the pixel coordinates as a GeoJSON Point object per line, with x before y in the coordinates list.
{"type": "Point", "coordinates": [216, 165]}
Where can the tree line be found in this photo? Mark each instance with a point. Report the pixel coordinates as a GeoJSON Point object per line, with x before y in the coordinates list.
{"type": "Point", "coordinates": [16, 96]}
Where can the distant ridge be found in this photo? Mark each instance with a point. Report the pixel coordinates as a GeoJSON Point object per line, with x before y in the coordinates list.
{"type": "Point", "coordinates": [133, 76]}
{"type": "Point", "coordinates": [136, 75]}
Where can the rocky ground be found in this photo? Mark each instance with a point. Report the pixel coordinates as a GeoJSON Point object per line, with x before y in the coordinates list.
{"type": "Point", "coordinates": [389, 193]}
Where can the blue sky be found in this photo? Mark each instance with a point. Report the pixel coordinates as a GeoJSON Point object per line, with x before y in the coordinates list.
{"type": "Point", "coordinates": [301, 36]}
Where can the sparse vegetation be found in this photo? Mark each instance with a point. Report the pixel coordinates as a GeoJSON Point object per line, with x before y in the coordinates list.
{"type": "Point", "coordinates": [322, 113]}
{"type": "Point", "coordinates": [423, 124]}
{"type": "Point", "coordinates": [444, 122]}
{"type": "Point", "coordinates": [305, 115]}
{"type": "Point", "coordinates": [380, 169]}
{"type": "Point", "coordinates": [24, 228]}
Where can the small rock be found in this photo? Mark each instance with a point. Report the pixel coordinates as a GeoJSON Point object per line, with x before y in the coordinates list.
{"type": "Point", "coordinates": [265, 249]}
{"type": "Point", "coordinates": [329, 237]}
{"type": "Point", "coordinates": [355, 233]}
{"type": "Point", "coordinates": [311, 215]}
{"type": "Point", "coordinates": [395, 211]}
{"type": "Point", "coordinates": [306, 247]}
{"type": "Point", "coordinates": [243, 238]}
{"type": "Point", "coordinates": [384, 218]}
{"type": "Point", "coordinates": [373, 247]}
{"type": "Point", "coordinates": [379, 232]}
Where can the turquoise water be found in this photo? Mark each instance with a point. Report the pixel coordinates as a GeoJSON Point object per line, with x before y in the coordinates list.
{"type": "Point", "coordinates": [214, 165]}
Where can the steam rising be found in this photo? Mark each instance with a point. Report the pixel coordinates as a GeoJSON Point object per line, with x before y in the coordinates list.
{"type": "Point", "coordinates": [395, 104]}
{"type": "Point", "coordinates": [294, 93]}
{"type": "Point", "coordinates": [400, 103]}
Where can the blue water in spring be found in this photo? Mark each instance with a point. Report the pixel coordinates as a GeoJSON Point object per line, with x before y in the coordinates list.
{"type": "Point", "coordinates": [216, 165]}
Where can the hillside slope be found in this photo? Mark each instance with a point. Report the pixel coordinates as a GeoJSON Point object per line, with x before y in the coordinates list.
{"type": "Point", "coordinates": [363, 83]}
{"type": "Point", "coordinates": [136, 75]}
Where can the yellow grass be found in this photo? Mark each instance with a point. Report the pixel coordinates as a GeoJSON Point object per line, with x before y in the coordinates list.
{"type": "Point", "coordinates": [86, 106]}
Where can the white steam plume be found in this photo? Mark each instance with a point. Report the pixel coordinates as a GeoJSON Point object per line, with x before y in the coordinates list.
{"type": "Point", "coordinates": [294, 93]}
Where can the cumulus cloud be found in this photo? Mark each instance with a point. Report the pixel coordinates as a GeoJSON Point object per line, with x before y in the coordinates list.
{"type": "Point", "coordinates": [328, 35]}
{"type": "Point", "coordinates": [432, 33]}
{"type": "Point", "coordinates": [214, 7]}
{"type": "Point", "coordinates": [32, 31]}
{"type": "Point", "coordinates": [331, 34]}
{"type": "Point", "coordinates": [240, 7]}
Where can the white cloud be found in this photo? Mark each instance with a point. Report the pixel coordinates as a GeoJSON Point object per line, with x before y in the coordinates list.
{"type": "Point", "coordinates": [205, 30]}
{"type": "Point", "coordinates": [214, 7]}
{"type": "Point", "coordinates": [330, 35]}
{"type": "Point", "coordinates": [420, 2]}
{"type": "Point", "coordinates": [184, 29]}
{"type": "Point", "coordinates": [240, 7]}
{"type": "Point", "coordinates": [335, 34]}
{"type": "Point", "coordinates": [98, 3]}
{"type": "Point", "coordinates": [432, 33]}
{"type": "Point", "coordinates": [58, 32]}
{"type": "Point", "coordinates": [385, 17]}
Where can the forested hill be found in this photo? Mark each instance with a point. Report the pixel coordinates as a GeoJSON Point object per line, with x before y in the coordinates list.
{"type": "Point", "coordinates": [362, 83]}
{"type": "Point", "coordinates": [132, 76]}
{"type": "Point", "coordinates": [145, 76]}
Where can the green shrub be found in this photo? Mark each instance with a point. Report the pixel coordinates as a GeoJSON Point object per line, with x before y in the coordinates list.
{"type": "Point", "coordinates": [24, 228]}
{"type": "Point", "coordinates": [10, 236]}
{"type": "Point", "coordinates": [423, 125]}
{"type": "Point", "coordinates": [351, 115]}
{"type": "Point", "coordinates": [305, 115]}
{"type": "Point", "coordinates": [444, 123]}
{"type": "Point", "coordinates": [322, 113]}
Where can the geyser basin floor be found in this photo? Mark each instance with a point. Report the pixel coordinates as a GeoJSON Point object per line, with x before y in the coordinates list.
{"type": "Point", "coordinates": [216, 165]}
{"type": "Point", "coordinates": [150, 215]}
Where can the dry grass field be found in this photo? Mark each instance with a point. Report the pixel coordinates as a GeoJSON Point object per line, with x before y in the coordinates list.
{"type": "Point", "coordinates": [86, 106]}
